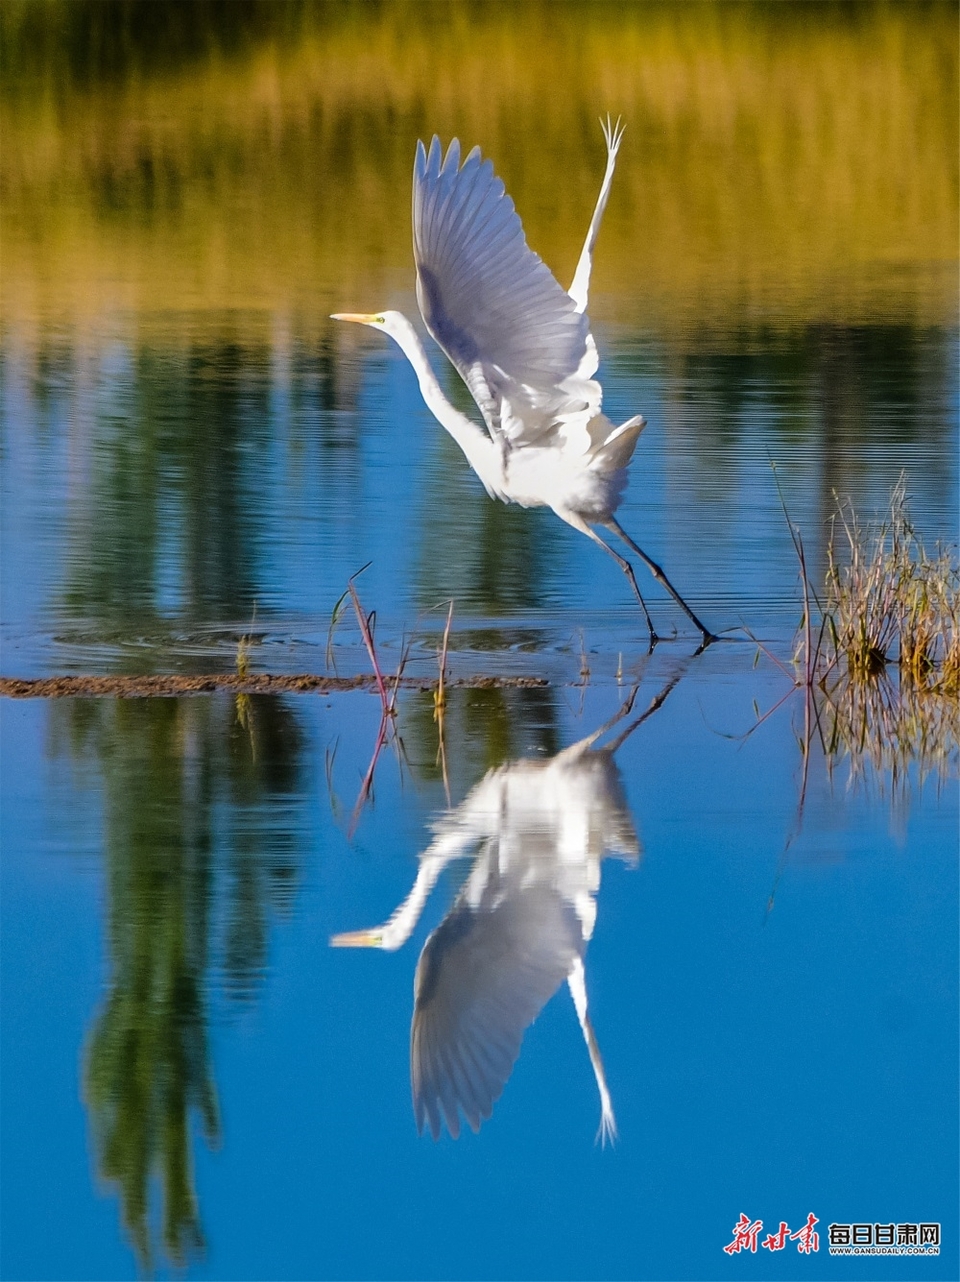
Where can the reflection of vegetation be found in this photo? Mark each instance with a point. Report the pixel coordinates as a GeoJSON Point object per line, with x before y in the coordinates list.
{"type": "Point", "coordinates": [837, 403]}
{"type": "Point", "coordinates": [482, 729]}
{"type": "Point", "coordinates": [454, 742]}
{"type": "Point", "coordinates": [166, 477]}
{"type": "Point", "coordinates": [252, 162]}
{"type": "Point", "coordinates": [147, 1064]}
{"type": "Point", "coordinates": [888, 602]}
{"type": "Point", "coordinates": [160, 526]}
{"type": "Point", "coordinates": [184, 895]}
{"type": "Point", "coordinates": [851, 383]}
{"type": "Point", "coordinates": [883, 727]}
{"type": "Point", "coordinates": [888, 607]}
{"type": "Point", "coordinates": [189, 148]}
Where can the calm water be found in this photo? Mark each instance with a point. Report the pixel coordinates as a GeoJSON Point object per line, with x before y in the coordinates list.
{"type": "Point", "coordinates": [193, 453]}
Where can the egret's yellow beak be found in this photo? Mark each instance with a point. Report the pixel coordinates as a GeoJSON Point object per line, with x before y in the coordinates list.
{"type": "Point", "coordinates": [357, 938]}
{"type": "Point", "coordinates": [360, 318]}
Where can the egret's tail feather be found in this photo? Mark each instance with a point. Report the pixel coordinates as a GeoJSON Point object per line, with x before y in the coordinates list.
{"type": "Point", "coordinates": [617, 450]}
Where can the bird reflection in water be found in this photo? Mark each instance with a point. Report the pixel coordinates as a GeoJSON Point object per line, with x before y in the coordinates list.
{"type": "Point", "coordinates": [520, 925]}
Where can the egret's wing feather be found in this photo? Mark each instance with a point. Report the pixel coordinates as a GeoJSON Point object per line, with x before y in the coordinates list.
{"type": "Point", "coordinates": [515, 336]}
{"type": "Point", "coordinates": [613, 135]}
{"type": "Point", "coordinates": [483, 977]}
{"type": "Point", "coordinates": [580, 287]}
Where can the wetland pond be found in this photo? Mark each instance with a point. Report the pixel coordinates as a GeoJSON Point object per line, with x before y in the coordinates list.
{"type": "Point", "coordinates": [734, 933]}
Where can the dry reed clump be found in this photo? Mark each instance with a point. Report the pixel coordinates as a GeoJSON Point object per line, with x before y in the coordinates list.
{"type": "Point", "coordinates": [888, 600]}
{"type": "Point", "coordinates": [881, 670]}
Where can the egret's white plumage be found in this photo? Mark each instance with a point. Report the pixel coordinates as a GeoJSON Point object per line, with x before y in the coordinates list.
{"type": "Point", "coordinates": [537, 832]}
{"type": "Point", "coordinates": [515, 337]}
{"type": "Point", "coordinates": [522, 345]}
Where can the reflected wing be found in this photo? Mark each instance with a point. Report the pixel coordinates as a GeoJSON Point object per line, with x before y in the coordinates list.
{"type": "Point", "coordinates": [515, 336]}
{"type": "Point", "coordinates": [482, 978]}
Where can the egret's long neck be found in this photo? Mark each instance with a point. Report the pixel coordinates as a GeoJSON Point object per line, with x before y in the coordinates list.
{"type": "Point", "coordinates": [399, 928]}
{"type": "Point", "coordinates": [453, 841]}
{"type": "Point", "coordinates": [482, 455]}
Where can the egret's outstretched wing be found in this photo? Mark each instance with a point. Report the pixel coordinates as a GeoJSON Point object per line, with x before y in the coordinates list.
{"type": "Point", "coordinates": [483, 976]}
{"type": "Point", "coordinates": [580, 288]}
{"type": "Point", "coordinates": [515, 336]}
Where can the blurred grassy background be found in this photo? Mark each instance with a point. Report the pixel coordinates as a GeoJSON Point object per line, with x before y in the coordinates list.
{"type": "Point", "coordinates": [784, 163]}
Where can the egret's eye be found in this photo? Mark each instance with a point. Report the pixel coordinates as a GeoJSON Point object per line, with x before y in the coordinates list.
{"type": "Point", "coordinates": [379, 320]}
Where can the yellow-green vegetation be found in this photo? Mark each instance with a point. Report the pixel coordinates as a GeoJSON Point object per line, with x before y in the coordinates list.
{"type": "Point", "coordinates": [888, 600]}
{"type": "Point", "coordinates": [790, 160]}
{"type": "Point", "coordinates": [243, 701]}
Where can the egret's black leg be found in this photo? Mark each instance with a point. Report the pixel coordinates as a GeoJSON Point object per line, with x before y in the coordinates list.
{"type": "Point", "coordinates": [659, 575]}
{"type": "Point", "coordinates": [627, 568]}
{"type": "Point", "coordinates": [579, 524]}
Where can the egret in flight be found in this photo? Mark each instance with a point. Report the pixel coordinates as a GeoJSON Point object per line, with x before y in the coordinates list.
{"type": "Point", "coordinates": [523, 346]}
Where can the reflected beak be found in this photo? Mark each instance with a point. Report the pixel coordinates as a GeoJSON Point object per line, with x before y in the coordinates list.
{"type": "Point", "coordinates": [360, 318]}
{"type": "Point", "coordinates": [357, 938]}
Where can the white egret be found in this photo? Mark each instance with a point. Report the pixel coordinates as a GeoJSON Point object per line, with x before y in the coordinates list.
{"type": "Point", "coordinates": [537, 831]}
{"type": "Point", "coordinates": [524, 349]}
{"type": "Point", "coordinates": [517, 930]}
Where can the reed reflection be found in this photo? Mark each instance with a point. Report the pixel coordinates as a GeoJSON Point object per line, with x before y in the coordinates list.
{"type": "Point", "coordinates": [536, 832]}
{"type": "Point", "coordinates": [199, 856]}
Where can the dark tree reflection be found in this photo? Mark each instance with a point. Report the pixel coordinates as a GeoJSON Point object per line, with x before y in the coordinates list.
{"type": "Point", "coordinates": [197, 862]}
{"type": "Point", "coordinates": [165, 502]}
{"type": "Point", "coordinates": [167, 519]}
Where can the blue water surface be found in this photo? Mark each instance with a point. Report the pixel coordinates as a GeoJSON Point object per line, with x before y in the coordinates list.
{"type": "Point", "coordinates": [773, 1060]}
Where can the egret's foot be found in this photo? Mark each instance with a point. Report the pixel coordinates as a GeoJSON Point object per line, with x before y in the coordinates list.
{"type": "Point", "coordinates": [708, 639]}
